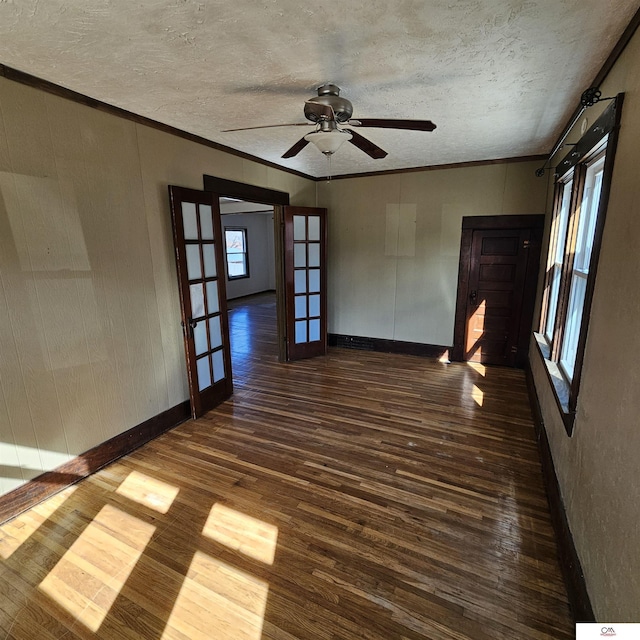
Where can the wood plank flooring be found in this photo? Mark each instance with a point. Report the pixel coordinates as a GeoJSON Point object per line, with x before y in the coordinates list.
{"type": "Point", "coordinates": [358, 495]}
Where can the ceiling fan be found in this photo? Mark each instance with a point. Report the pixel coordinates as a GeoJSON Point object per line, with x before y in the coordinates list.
{"type": "Point", "coordinates": [330, 113]}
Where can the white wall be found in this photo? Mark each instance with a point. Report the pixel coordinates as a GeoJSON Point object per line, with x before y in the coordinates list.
{"type": "Point", "coordinates": [599, 467]}
{"type": "Point", "coordinates": [90, 337]}
{"type": "Point", "coordinates": [394, 244]}
{"type": "Point", "coordinates": [262, 272]}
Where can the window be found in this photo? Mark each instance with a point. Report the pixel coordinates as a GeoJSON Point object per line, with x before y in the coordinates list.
{"type": "Point", "coordinates": [556, 250]}
{"type": "Point", "coordinates": [582, 188]}
{"type": "Point", "coordinates": [580, 267]}
{"type": "Point", "coordinates": [237, 260]}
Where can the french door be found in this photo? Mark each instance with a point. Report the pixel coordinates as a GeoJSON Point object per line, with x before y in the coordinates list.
{"type": "Point", "coordinates": [305, 268]}
{"type": "Point", "coordinates": [199, 248]}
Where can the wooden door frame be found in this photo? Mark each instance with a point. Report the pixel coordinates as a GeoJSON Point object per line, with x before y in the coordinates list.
{"type": "Point", "coordinates": [535, 223]}
{"type": "Point", "coordinates": [223, 188]}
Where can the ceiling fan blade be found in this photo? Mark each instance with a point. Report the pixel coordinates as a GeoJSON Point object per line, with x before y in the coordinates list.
{"type": "Point", "coordinates": [384, 123]}
{"type": "Point", "coordinates": [321, 111]}
{"type": "Point", "coordinates": [367, 146]}
{"type": "Point", "coordinates": [269, 126]}
{"type": "Point", "coordinates": [296, 149]}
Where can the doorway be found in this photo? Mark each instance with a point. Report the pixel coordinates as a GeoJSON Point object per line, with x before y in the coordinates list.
{"type": "Point", "coordinates": [202, 260]}
{"type": "Point", "coordinates": [499, 260]}
{"type": "Point", "coordinates": [300, 240]}
{"type": "Point", "coordinates": [240, 191]}
{"type": "Point", "coordinates": [250, 264]}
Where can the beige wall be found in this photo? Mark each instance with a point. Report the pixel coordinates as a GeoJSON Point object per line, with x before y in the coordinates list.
{"type": "Point", "coordinates": [90, 338]}
{"type": "Point", "coordinates": [599, 467]}
{"type": "Point", "coordinates": [394, 244]}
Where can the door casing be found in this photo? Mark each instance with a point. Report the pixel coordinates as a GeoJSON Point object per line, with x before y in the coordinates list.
{"type": "Point", "coordinates": [221, 187]}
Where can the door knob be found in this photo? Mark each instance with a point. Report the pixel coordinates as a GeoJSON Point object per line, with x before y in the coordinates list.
{"type": "Point", "coordinates": [473, 296]}
{"type": "Point", "coordinates": [191, 323]}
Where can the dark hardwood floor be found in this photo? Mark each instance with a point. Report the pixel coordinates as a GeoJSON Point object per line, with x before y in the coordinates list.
{"type": "Point", "coordinates": [357, 495]}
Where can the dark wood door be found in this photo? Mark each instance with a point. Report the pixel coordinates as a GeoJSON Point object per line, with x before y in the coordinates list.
{"type": "Point", "coordinates": [199, 258]}
{"type": "Point", "coordinates": [496, 288]}
{"type": "Point", "coordinates": [305, 268]}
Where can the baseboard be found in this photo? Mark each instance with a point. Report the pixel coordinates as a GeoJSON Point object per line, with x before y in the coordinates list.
{"type": "Point", "coordinates": [82, 466]}
{"type": "Point", "coordinates": [387, 346]}
{"type": "Point", "coordinates": [568, 556]}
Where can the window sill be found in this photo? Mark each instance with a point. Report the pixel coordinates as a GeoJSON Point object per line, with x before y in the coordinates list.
{"type": "Point", "coordinates": [561, 388]}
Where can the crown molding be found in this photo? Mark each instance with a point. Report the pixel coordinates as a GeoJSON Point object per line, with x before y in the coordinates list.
{"type": "Point", "coordinates": [49, 87]}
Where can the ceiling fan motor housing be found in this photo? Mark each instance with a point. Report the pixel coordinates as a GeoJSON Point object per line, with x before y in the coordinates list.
{"type": "Point", "coordinates": [329, 94]}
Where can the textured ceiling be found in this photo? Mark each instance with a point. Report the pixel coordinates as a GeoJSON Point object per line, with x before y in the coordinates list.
{"type": "Point", "coordinates": [498, 77]}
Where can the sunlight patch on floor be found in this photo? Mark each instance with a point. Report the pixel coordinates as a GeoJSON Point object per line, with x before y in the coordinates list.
{"type": "Point", "coordinates": [148, 491]}
{"type": "Point", "coordinates": [218, 601]}
{"type": "Point", "coordinates": [88, 578]}
{"type": "Point", "coordinates": [478, 368]}
{"type": "Point", "coordinates": [249, 536]}
{"type": "Point", "coordinates": [16, 532]}
{"type": "Point", "coordinates": [478, 395]}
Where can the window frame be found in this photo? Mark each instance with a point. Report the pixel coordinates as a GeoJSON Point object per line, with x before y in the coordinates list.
{"type": "Point", "coordinates": [244, 253]}
{"type": "Point", "coordinates": [578, 272]}
{"type": "Point", "coordinates": [600, 141]}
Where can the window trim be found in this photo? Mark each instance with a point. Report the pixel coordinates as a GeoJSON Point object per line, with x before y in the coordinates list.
{"type": "Point", "coordinates": [578, 175]}
{"type": "Point", "coordinates": [585, 152]}
{"type": "Point", "coordinates": [597, 157]}
{"type": "Point", "coordinates": [245, 253]}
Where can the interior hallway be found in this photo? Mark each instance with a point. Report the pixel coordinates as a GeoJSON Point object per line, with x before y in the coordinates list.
{"type": "Point", "coordinates": [358, 495]}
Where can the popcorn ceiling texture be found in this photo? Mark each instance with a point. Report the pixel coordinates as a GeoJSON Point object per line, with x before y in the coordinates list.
{"type": "Point", "coordinates": [499, 77]}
